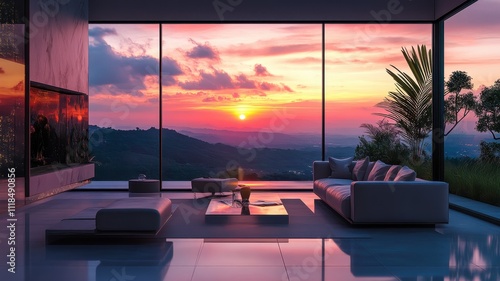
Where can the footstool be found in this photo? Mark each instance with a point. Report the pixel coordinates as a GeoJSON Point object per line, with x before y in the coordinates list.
{"type": "Point", "coordinates": [213, 185]}
{"type": "Point", "coordinates": [134, 214]}
{"type": "Point", "coordinates": [143, 186]}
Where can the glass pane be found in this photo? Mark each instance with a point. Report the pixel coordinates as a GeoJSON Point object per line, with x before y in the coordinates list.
{"type": "Point", "coordinates": [472, 165]}
{"type": "Point", "coordinates": [124, 108]}
{"type": "Point", "coordinates": [12, 86]}
{"type": "Point", "coordinates": [357, 81]}
{"type": "Point", "coordinates": [241, 100]}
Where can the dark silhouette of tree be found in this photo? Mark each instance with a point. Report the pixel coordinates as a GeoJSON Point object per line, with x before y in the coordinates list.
{"type": "Point", "coordinates": [488, 110]}
{"type": "Point", "coordinates": [457, 102]}
{"type": "Point", "coordinates": [384, 145]}
{"type": "Point", "coordinates": [410, 106]}
{"type": "Point", "coordinates": [490, 152]}
{"type": "Point", "coordinates": [488, 113]}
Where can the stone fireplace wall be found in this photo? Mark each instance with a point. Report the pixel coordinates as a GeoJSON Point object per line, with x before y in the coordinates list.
{"type": "Point", "coordinates": [58, 97]}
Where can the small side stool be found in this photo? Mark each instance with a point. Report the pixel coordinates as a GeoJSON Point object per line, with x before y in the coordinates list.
{"type": "Point", "coordinates": [143, 186]}
{"type": "Point", "coordinates": [213, 185]}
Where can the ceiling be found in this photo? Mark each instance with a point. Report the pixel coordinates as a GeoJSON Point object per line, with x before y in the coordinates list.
{"type": "Point", "coordinates": [366, 11]}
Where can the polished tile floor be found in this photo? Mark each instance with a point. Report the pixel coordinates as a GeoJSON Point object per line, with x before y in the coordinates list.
{"type": "Point", "coordinates": [464, 249]}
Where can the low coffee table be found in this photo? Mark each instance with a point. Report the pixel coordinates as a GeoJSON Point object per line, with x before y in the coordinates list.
{"type": "Point", "coordinates": [220, 211]}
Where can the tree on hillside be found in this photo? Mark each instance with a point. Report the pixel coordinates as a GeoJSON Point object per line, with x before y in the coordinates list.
{"type": "Point", "coordinates": [410, 106]}
{"type": "Point", "coordinates": [456, 102]}
{"type": "Point", "coordinates": [488, 110]}
{"type": "Point", "coordinates": [384, 144]}
{"type": "Point", "coordinates": [488, 113]}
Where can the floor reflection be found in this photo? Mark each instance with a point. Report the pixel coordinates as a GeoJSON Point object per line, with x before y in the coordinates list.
{"type": "Point", "coordinates": [465, 249]}
{"type": "Point", "coordinates": [149, 261]}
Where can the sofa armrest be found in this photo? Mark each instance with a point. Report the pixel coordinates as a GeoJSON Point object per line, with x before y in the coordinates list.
{"type": "Point", "coordinates": [399, 202]}
{"type": "Point", "coordinates": [321, 170]}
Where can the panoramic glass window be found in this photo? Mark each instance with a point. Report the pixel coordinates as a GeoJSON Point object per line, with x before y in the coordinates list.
{"type": "Point", "coordinates": [472, 79]}
{"type": "Point", "coordinates": [124, 100]}
{"type": "Point", "coordinates": [241, 100]}
{"type": "Point", "coordinates": [361, 115]}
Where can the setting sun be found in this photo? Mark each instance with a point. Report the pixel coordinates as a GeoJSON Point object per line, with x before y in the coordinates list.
{"type": "Point", "coordinates": [242, 117]}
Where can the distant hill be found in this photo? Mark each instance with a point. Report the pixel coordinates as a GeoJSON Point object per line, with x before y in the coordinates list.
{"type": "Point", "coordinates": [124, 154]}
{"type": "Point", "coordinates": [277, 140]}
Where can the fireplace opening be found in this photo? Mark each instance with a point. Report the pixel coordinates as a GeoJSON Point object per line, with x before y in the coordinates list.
{"type": "Point", "coordinates": [58, 130]}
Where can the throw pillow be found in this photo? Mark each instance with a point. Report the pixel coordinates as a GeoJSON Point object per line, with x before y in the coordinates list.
{"type": "Point", "coordinates": [340, 167]}
{"type": "Point", "coordinates": [378, 172]}
{"type": "Point", "coordinates": [392, 172]}
{"type": "Point", "coordinates": [359, 170]}
{"type": "Point", "coordinates": [405, 174]}
{"type": "Point", "coordinates": [368, 170]}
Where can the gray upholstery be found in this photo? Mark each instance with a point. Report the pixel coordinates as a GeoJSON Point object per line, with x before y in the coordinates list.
{"type": "Point", "coordinates": [321, 170]}
{"type": "Point", "coordinates": [341, 168]}
{"type": "Point", "coordinates": [359, 170]}
{"type": "Point", "coordinates": [340, 199]}
{"type": "Point", "coordinates": [392, 173]}
{"type": "Point", "coordinates": [378, 171]}
{"type": "Point", "coordinates": [134, 214]}
{"type": "Point", "coordinates": [143, 186]}
{"type": "Point", "coordinates": [399, 202]}
{"type": "Point", "coordinates": [368, 170]}
{"type": "Point", "coordinates": [405, 174]}
{"type": "Point", "coordinates": [418, 201]}
{"type": "Point", "coordinates": [320, 186]}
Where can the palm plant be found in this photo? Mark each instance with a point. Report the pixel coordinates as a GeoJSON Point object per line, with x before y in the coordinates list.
{"type": "Point", "coordinates": [384, 144]}
{"type": "Point", "coordinates": [410, 106]}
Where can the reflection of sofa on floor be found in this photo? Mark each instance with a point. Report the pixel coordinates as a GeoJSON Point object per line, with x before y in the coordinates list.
{"type": "Point", "coordinates": [367, 192]}
{"type": "Point", "coordinates": [367, 256]}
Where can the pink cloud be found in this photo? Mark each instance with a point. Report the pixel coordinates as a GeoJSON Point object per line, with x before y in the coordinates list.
{"type": "Point", "coordinates": [266, 86]}
{"type": "Point", "coordinates": [245, 83]}
{"type": "Point", "coordinates": [261, 70]}
{"type": "Point", "coordinates": [209, 81]}
{"type": "Point", "coordinates": [203, 51]}
{"type": "Point", "coordinates": [270, 49]}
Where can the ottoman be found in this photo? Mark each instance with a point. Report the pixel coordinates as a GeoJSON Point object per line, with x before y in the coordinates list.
{"type": "Point", "coordinates": [143, 186]}
{"type": "Point", "coordinates": [213, 185]}
{"type": "Point", "coordinates": [134, 214]}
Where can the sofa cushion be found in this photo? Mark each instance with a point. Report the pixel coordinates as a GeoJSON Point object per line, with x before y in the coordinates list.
{"type": "Point", "coordinates": [331, 182]}
{"type": "Point", "coordinates": [405, 174]}
{"type": "Point", "coordinates": [379, 171]}
{"type": "Point", "coordinates": [359, 170]}
{"type": "Point", "coordinates": [368, 170]}
{"type": "Point", "coordinates": [320, 186]}
{"type": "Point", "coordinates": [392, 172]}
{"type": "Point", "coordinates": [339, 198]}
{"type": "Point", "coordinates": [340, 167]}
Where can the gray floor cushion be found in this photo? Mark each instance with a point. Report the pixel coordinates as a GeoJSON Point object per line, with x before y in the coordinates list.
{"type": "Point", "coordinates": [134, 214]}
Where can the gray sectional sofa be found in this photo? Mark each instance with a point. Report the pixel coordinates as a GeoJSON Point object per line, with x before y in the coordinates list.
{"type": "Point", "coordinates": [363, 201]}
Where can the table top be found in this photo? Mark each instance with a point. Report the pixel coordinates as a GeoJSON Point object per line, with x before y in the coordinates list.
{"type": "Point", "coordinates": [256, 207]}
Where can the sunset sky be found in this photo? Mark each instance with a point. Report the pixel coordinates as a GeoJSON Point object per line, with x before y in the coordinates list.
{"type": "Point", "coordinates": [214, 74]}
